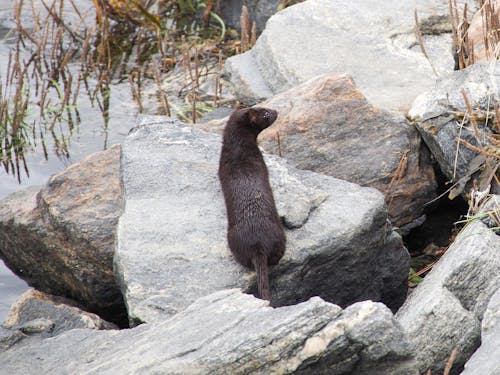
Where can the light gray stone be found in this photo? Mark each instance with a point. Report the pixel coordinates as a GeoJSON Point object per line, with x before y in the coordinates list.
{"type": "Point", "coordinates": [247, 83]}
{"type": "Point", "coordinates": [171, 238]}
{"type": "Point", "coordinates": [445, 311]}
{"type": "Point", "coordinates": [486, 359]}
{"type": "Point", "coordinates": [374, 42]}
{"type": "Point", "coordinates": [438, 114]}
{"type": "Point", "coordinates": [231, 333]}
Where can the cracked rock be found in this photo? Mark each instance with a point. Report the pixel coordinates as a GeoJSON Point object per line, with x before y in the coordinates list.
{"type": "Point", "coordinates": [229, 332]}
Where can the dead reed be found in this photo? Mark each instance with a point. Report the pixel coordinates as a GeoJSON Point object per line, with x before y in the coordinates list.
{"type": "Point", "coordinates": [38, 75]}
{"type": "Point", "coordinates": [464, 44]}
{"type": "Point", "coordinates": [54, 62]}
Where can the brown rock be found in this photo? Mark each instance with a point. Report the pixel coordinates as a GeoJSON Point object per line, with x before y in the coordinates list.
{"type": "Point", "coordinates": [62, 313]}
{"type": "Point", "coordinates": [484, 21]}
{"type": "Point", "coordinates": [326, 125]}
{"type": "Point", "coordinates": [67, 229]}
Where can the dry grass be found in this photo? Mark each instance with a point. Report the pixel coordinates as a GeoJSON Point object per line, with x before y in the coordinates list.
{"type": "Point", "coordinates": [141, 41]}
{"type": "Point", "coordinates": [248, 30]}
{"type": "Point", "coordinates": [488, 149]}
{"type": "Point", "coordinates": [465, 44]}
{"type": "Point", "coordinates": [38, 75]}
{"type": "Point", "coordinates": [397, 177]}
{"type": "Point", "coordinates": [421, 43]}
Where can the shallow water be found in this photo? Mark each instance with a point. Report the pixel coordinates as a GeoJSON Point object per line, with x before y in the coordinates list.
{"type": "Point", "coordinates": [91, 136]}
{"type": "Point", "coordinates": [10, 289]}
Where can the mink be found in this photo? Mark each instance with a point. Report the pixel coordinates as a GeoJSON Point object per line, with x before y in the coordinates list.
{"type": "Point", "coordinates": [255, 233]}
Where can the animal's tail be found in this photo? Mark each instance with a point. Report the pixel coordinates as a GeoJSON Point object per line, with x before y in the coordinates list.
{"type": "Point", "coordinates": [260, 265]}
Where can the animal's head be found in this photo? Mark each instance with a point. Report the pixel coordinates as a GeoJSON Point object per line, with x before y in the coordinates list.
{"type": "Point", "coordinates": [256, 118]}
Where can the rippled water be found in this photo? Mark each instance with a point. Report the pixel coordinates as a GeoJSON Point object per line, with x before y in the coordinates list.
{"type": "Point", "coordinates": [90, 137]}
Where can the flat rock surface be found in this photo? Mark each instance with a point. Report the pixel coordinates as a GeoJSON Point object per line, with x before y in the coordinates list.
{"type": "Point", "coordinates": [172, 246]}
{"type": "Point", "coordinates": [231, 333]}
{"type": "Point", "coordinates": [445, 311]}
{"type": "Point", "coordinates": [375, 42]}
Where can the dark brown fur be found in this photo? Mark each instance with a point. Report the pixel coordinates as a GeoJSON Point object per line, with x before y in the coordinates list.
{"type": "Point", "coordinates": [255, 233]}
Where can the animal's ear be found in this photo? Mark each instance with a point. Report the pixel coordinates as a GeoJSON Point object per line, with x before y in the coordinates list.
{"type": "Point", "coordinates": [252, 115]}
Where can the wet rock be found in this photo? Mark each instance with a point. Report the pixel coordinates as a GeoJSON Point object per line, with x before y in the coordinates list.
{"type": "Point", "coordinates": [172, 246]}
{"type": "Point", "coordinates": [375, 43]}
{"type": "Point", "coordinates": [439, 117]}
{"type": "Point", "coordinates": [485, 359]}
{"type": "Point", "coordinates": [61, 312]}
{"type": "Point", "coordinates": [231, 332]}
{"type": "Point", "coordinates": [60, 239]}
{"type": "Point", "coordinates": [445, 311]}
{"type": "Point", "coordinates": [326, 125]}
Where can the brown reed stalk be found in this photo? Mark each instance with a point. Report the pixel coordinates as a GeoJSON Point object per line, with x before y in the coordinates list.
{"type": "Point", "coordinates": [278, 140]}
{"type": "Point", "coordinates": [421, 43]}
{"type": "Point", "coordinates": [473, 121]}
{"type": "Point", "coordinates": [218, 89]}
{"type": "Point", "coordinates": [449, 363]}
{"type": "Point", "coordinates": [135, 88]}
{"type": "Point", "coordinates": [245, 29]}
{"type": "Point", "coordinates": [161, 93]}
{"type": "Point", "coordinates": [208, 10]}
{"type": "Point", "coordinates": [253, 34]}
{"type": "Point", "coordinates": [398, 175]}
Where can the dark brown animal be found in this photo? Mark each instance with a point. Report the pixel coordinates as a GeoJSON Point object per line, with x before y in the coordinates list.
{"type": "Point", "coordinates": [255, 233]}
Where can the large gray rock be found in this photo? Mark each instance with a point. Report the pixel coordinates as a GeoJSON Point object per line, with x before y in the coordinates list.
{"type": "Point", "coordinates": [60, 239]}
{"type": "Point", "coordinates": [375, 42]}
{"type": "Point", "coordinates": [171, 238]}
{"type": "Point", "coordinates": [438, 114]}
{"type": "Point", "coordinates": [486, 360]}
{"type": "Point", "coordinates": [231, 333]}
{"type": "Point", "coordinates": [445, 311]}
